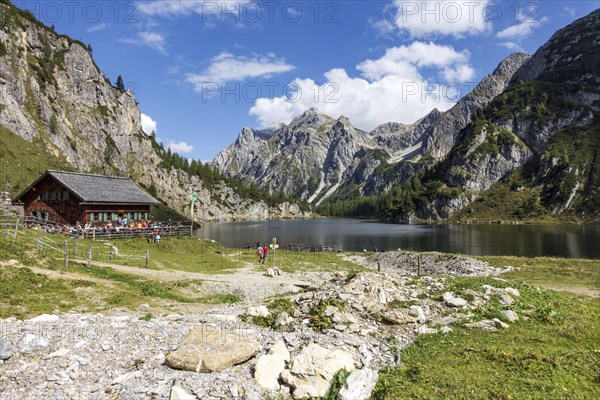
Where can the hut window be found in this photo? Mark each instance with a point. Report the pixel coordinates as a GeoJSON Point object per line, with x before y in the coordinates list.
{"type": "Point", "coordinates": [52, 195]}
{"type": "Point", "coordinates": [91, 217]}
{"type": "Point", "coordinates": [65, 195]}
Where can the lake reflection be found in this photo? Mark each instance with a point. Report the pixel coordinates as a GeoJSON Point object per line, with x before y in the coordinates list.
{"type": "Point", "coordinates": [571, 241]}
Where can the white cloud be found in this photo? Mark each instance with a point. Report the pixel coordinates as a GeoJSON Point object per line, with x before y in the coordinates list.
{"type": "Point", "coordinates": [521, 30]}
{"type": "Point", "coordinates": [228, 67]}
{"type": "Point", "coordinates": [570, 11]}
{"type": "Point", "coordinates": [392, 88]}
{"type": "Point", "coordinates": [404, 61]}
{"type": "Point", "coordinates": [153, 40]}
{"type": "Point", "coordinates": [173, 8]}
{"type": "Point", "coordinates": [511, 46]}
{"type": "Point", "coordinates": [148, 124]}
{"type": "Point", "coordinates": [98, 27]}
{"type": "Point", "coordinates": [440, 17]}
{"type": "Point", "coordinates": [180, 147]}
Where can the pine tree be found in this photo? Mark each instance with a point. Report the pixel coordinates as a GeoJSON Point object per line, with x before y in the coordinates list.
{"type": "Point", "coordinates": [120, 84]}
{"type": "Point", "coordinates": [89, 48]}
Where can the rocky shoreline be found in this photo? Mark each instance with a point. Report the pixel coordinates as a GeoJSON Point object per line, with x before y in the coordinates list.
{"type": "Point", "coordinates": [288, 346]}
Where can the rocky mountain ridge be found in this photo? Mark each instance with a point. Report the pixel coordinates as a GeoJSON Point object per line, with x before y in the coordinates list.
{"type": "Point", "coordinates": [534, 116]}
{"type": "Point", "coordinates": [57, 100]}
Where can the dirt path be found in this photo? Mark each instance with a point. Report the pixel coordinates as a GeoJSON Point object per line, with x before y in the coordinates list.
{"type": "Point", "coordinates": [245, 282]}
{"type": "Point", "coordinates": [572, 289]}
{"type": "Point", "coordinates": [58, 274]}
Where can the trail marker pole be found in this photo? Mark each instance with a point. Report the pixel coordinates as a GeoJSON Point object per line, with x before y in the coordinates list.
{"type": "Point", "coordinates": [16, 230]}
{"type": "Point", "coordinates": [147, 257]}
{"type": "Point", "coordinates": [66, 251]}
{"type": "Point", "coordinates": [89, 263]}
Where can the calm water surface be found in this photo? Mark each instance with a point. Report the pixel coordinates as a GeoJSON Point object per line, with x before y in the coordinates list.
{"type": "Point", "coordinates": [570, 241]}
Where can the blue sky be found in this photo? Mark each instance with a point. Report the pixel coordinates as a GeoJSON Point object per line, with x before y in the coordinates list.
{"type": "Point", "coordinates": [202, 69]}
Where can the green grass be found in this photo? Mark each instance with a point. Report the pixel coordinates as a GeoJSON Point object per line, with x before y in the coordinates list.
{"type": "Point", "coordinates": [553, 355]}
{"type": "Point", "coordinates": [180, 253]}
{"type": "Point", "coordinates": [294, 261]}
{"type": "Point", "coordinates": [25, 293]}
{"type": "Point", "coordinates": [22, 162]}
{"type": "Point", "coordinates": [550, 271]}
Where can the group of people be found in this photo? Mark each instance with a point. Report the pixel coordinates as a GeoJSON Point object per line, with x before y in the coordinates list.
{"type": "Point", "coordinates": [262, 252]}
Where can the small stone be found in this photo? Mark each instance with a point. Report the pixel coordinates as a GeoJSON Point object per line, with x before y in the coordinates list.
{"type": "Point", "coordinates": [499, 324]}
{"type": "Point", "coordinates": [277, 271]}
{"type": "Point", "coordinates": [6, 350]}
{"type": "Point", "coordinates": [399, 317]}
{"type": "Point", "coordinates": [512, 291]}
{"type": "Point", "coordinates": [510, 315]}
{"type": "Point", "coordinates": [445, 329]}
{"type": "Point", "coordinates": [424, 330]}
{"type": "Point", "coordinates": [125, 377]}
{"type": "Point", "coordinates": [282, 319]}
{"type": "Point", "coordinates": [270, 272]}
{"type": "Point", "coordinates": [452, 301]}
{"type": "Point", "coordinates": [58, 353]}
{"type": "Point", "coordinates": [485, 324]}
{"type": "Point", "coordinates": [506, 299]}
{"type": "Point", "coordinates": [84, 360]}
{"type": "Point", "coordinates": [330, 310]}
{"type": "Point", "coordinates": [417, 311]}
{"type": "Point", "coordinates": [178, 393]}
{"type": "Point", "coordinates": [258, 311]}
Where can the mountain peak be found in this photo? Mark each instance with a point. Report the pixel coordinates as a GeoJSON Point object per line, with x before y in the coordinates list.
{"type": "Point", "coordinates": [310, 119]}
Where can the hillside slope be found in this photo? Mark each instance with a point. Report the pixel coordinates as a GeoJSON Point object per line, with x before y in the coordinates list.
{"type": "Point", "coordinates": [57, 104]}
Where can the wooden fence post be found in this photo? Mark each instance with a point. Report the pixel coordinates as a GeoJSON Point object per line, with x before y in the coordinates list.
{"type": "Point", "coordinates": [419, 265]}
{"type": "Point", "coordinates": [66, 251]}
{"type": "Point", "coordinates": [110, 253]}
{"type": "Point", "coordinates": [89, 262]}
{"type": "Point", "coordinates": [75, 249]}
{"type": "Point", "coordinates": [40, 244]}
{"type": "Point", "coordinates": [16, 230]}
{"type": "Point", "coordinates": [147, 257]}
{"type": "Point", "coordinates": [378, 266]}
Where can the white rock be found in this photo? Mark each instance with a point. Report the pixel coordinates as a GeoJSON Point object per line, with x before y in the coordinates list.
{"type": "Point", "coordinates": [125, 377]}
{"type": "Point", "coordinates": [506, 299]}
{"type": "Point", "coordinates": [452, 301]}
{"type": "Point", "coordinates": [44, 318]}
{"type": "Point", "coordinates": [509, 315]}
{"type": "Point", "coordinates": [260, 311]}
{"type": "Point", "coordinates": [312, 370]}
{"type": "Point", "coordinates": [178, 393]}
{"type": "Point", "coordinates": [58, 353]}
{"type": "Point", "coordinates": [270, 366]}
{"type": "Point", "coordinates": [424, 330]}
{"type": "Point", "coordinates": [512, 291]}
{"type": "Point", "coordinates": [360, 385]}
{"type": "Point", "coordinates": [417, 311]}
{"type": "Point", "coordinates": [485, 324]}
{"type": "Point", "coordinates": [500, 324]}
{"type": "Point", "coordinates": [445, 329]}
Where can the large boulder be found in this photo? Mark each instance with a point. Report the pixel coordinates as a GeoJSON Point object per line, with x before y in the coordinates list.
{"type": "Point", "coordinates": [313, 369]}
{"type": "Point", "coordinates": [359, 385]}
{"type": "Point", "coordinates": [210, 349]}
{"type": "Point", "coordinates": [270, 366]}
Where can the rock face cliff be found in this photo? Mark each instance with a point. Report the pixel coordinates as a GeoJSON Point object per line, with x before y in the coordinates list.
{"type": "Point", "coordinates": [531, 125]}
{"type": "Point", "coordinates": [317, 158]}
{"type": "Point", "coordinates": [55, 97]}
{"type": "Point", "coordinates": [315, 155]}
